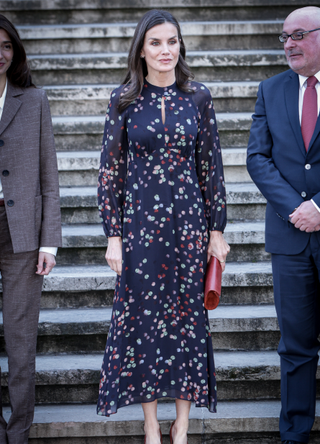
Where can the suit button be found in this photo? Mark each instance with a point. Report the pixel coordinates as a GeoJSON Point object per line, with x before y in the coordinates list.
{"type": "Point", "coordinates": [1, 143]}
{"type": "Point", "coordinates": [5, 173]}
{"type": "Point", "coordinates": [308, 166]}
{"type": "Point", "coordinates": [10, 203]}
{"type": "Point", "coordinates": [303, 194]}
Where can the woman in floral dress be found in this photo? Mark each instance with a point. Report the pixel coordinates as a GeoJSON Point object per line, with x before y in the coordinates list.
{"type": "Point", "coordinates": [163, 206]}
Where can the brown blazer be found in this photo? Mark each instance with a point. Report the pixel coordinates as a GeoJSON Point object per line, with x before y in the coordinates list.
{"type": "Point", "coordinates": [28, 168]}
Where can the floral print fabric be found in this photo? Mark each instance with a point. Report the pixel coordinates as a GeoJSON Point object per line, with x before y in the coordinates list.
{"type": "Point", "coordinates": [161, 189]}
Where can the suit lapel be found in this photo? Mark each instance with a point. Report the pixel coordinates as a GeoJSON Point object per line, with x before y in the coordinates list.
{"type": "Point", "coordinates": [11, 106]}
{"type": "Point", "coordinates": [291, 90]}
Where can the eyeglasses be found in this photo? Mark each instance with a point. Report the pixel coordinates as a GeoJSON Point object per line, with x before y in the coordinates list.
{"type": "Point", "coordinates": [295, 35]}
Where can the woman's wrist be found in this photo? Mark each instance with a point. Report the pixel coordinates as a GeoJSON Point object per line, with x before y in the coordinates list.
{"type": "Point", "coordinates": [114, 240]}
{"type": "Point", "coordinates": [215, 233]}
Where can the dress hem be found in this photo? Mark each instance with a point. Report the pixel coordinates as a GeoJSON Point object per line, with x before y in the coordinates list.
{"type": "Point", "coordinates": [212, 409]}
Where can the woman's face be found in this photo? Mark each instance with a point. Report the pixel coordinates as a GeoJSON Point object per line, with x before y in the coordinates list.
{"type": "Point", "coordinates": [6, 52]}
{"type": "Point", "coordinates": [161, 49]}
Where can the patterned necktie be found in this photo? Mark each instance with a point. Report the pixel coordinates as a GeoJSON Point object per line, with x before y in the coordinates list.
{"type": "Point", "coordinates": [309, 111]}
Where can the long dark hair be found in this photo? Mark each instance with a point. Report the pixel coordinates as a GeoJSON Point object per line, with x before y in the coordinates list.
{"type": "Point", "coordinates": [19, 72]}
{"type": "Point", "coordinates": [137, 68]}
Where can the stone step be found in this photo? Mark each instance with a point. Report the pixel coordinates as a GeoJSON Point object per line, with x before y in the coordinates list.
{"type": "Point", "coordinates": [85, 330]}
{"type": "Point", "coordinates": [86, 243]}
{"type": "Point", "coordinates": [245, 319]}
{"type": "Point", "coordinates": [70, 378]}
{"type": "Point", "coordinates": [93, 286]}
{"type": "Point", "coordinates": [93, 99]}
{"type": "Point", "coordinates": [87, 278]}
{"type": "Point", "coordinates": [100, 277]}
{"type": "Point", "coordinates": [244, 327]}
{"type": "Point", "coordinates": [79, 204]}
{"type": "Point", "coordinates": [74, 378]}
{"type": "Point", "coordinates": [115, 37]}
{"type": "Point", "coordinates": [84, 133]}
{"type": "Point", "coordinates": [256, 422]}
{"type": "Point", "coordinates": [82, 168]}
{"type": "Point", "coordinates": [82, 236]}
{"type": "Point", "coordinates": [95, 11]}
{"type": "Point", "coordinates": [245, 202]}
{"type": "Point", "coordinates": [78, 168]}
{"type": "Point", "coordinates": [233, 65]}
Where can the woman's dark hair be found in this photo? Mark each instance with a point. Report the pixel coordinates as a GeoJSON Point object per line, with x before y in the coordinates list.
{"type": "Point", "coordinates": [137, 68]}
{"type": "Point", "coordinates": [19, 72]}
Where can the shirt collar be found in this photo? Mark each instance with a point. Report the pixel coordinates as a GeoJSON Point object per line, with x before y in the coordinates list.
{"type": "Point", "coordinates": [303, 79]}
{"type": "Point", "coordinates": [3, 98]}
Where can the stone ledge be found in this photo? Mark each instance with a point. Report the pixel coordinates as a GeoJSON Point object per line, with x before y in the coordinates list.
{"type": "Point", "coordinates": [244, 193]}
{"type": "Point", "coordinates": [78, 161]}
{"type": "Point", "coordinates": [77, 278]}
{"type": "Point", "coordinates": [88, 236]}
{"type": "Point", "coordinates": [246, 274]}
{"type": "Point", "coordinates": [79, 203]}
{"type": "Point", "coordinates": [80, 278]}
{"type": "Point", "coordinates": [78, 197]}
{"type": "Point", "coordinates": [237, 194]}
{"type": "Point", "coordinates": [95, 124]}
{"type": "Point", "coordinates": [231, 366]}
{"type": "Point", "coordinates": [77, 171]}
{"type": "Point", "coordinates": [194, 59]}
{"type": "Point", "coordinates": [220, 90]}
{"type": "Point", "coordinates": [13, 5]}
{"type": "Point", "coordinates": [234, 157]}
{"type": "Point", "coordinates": [76, 369]}
{"type": "Point", "coordinates": [90, 160]}
{"type": "Point", "coordinates": [93, 100]}
{"type": "Point", "coordinates": [82, 420]}
{"type": "Point", "coordinates": [118, 30]}
{"type": "Point", "coordinates": [94, 321]}
{"type": "Point", "coordinates": [243, 318]}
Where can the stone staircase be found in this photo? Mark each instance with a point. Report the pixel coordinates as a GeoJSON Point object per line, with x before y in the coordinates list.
{"type": "Point", "coordinates": [77, 51]}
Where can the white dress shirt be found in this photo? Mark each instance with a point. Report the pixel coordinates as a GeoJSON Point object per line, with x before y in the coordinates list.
{"type": "Point", "coordinates": [51, 250]}
{"type": "Point", "coordinates": [2, 99]}
{"type": "Point", "coordinates": [302, 90]}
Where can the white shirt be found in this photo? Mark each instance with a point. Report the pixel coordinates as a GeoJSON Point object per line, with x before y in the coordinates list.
{"type": "Point", "coordinates": [51, 250]}
{"type": "Point", "coordinates": [2, 99]}
{"type": "Point", "coordinates": [302, 90]}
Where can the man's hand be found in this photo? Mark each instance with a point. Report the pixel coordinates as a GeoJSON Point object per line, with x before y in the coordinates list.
{"type": "Point", "coordinates": [46, 262]}
{"type": "Point", "coordinates": [306, 217]}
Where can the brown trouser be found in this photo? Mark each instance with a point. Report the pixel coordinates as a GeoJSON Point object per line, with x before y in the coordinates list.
{"type": "Point", "coordinates": [21, 305]}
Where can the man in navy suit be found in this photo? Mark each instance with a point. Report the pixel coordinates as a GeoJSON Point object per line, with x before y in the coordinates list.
{"type": "Point", "coordinates": [284, 162]}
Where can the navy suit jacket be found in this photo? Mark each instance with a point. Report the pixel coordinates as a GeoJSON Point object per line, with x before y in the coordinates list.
{"type": "Point", "coordinates": [278, 163]}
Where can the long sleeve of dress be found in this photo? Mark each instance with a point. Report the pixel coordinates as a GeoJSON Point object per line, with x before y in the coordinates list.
{"type": "Point", "coordinates": [113, 168]}
{"type": "Point", "coordinates": [209, 162]}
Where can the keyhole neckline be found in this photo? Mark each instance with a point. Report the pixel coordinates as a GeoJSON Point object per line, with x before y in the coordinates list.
{"type": "Point", "coordinates": [158, 89]}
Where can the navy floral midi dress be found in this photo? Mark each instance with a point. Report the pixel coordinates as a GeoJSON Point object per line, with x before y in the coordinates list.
{"type": "Point", "coordinates": [161, 188]}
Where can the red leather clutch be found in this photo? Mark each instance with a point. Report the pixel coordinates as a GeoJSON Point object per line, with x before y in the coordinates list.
{"type": "Point", "coordinates": [212, 288]}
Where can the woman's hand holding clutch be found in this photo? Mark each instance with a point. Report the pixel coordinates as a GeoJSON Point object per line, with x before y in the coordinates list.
{"type": "Point", "coordinates": [217, 253]}
{"type": "Point", "coordinates": [218, 247]}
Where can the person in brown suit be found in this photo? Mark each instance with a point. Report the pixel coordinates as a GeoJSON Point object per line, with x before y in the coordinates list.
{"type": "Point", "coordinates": [30, 226]}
